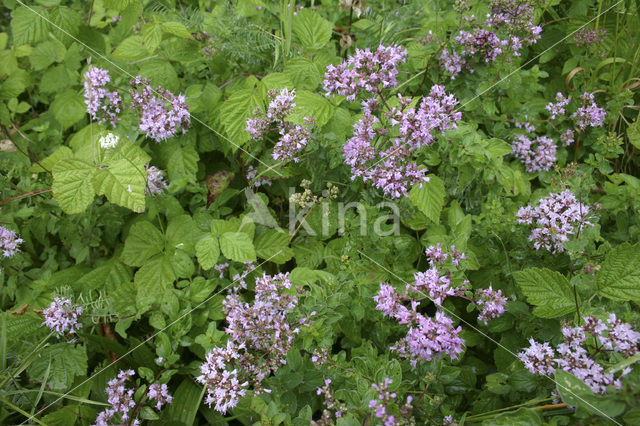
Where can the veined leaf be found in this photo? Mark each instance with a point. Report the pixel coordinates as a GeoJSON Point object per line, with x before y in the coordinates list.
{"type": "Point", "coordinates": [144, 241]}
{"type": "Point", "coordinates": [430, 198]}
{"type": "Point", "coordinates": [67, 361]}
{"type": "Point", "coordinates": [208, 251]}
{"type": "Point", "coordinates": [131, 48]}
{"type": "Point", "coordinates": [619, 278]}
{"type": "Point", "coordinates": [72, 187]}
{"type": "Point", "coordinates": [550, 291]}
{"type": "Point", "coordinates": [122, 183]}
{"type": "Point", "coordinates": [234, 113]}
{"type": "Point", "coordinates": [273, 245]}
{"type": "Point", "coordinates": [312, 30]}
{"type": "Point", "coordinates": [237, 246]}
{"type": "Point", "coordinates": [29, 26]}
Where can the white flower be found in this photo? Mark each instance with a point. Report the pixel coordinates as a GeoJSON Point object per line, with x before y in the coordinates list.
{"type": "Point", "coordinates": [109, 141]}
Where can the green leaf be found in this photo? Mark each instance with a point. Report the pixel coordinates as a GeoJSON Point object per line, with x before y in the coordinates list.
{"type": "Point", "coordinates": [122, 183]}
{"type": "Point", "coordinates": [13, 86]}
{"type": "Point", "coordinates": [144, 241]}
{"type": "Point", "coordinates": [72, 187]}
{"type": "Point", "coordinates": [577, 393]}
{"type": "Point", "coordinates": [46, 54]}
{"type": "Point", "coordinates": [430, 198]}
{"type": "Point", "coordinates": [208, 251]}
{"type": "Point", "coordinates": [152, 279]}
{"type": "Point", "coordinates": [273, 245]}
{"type": "Point", "coordinates": [234, 114]}
{"type": "Point", "coordinates": [619, 277]}
{"type": "Point", "coordinates": [131, 49]}
{"type": "Point", "coordinates": [67, 361]}
{"type": "Point", "coordinates": [61, 153]}
{"type": "Point", "coordinates": [521, 417]}
{"type": "Point", "coordinates": [237, 246]}
{"type": "Point", "coordinates": [68, 108]}
{"type": "Point", "coordinates": [309, 104]}
{"type": "Point", "coordinates": [304, 73]}
{"type": "Point", "coordinates": [183, 165]}
{"type": "Point", "coordinates": [29, 26]}
{"type": "Point", "coordinates": [152, 36]}
{"type": "Point", "coordinates": [177, 29]}
{"type": "Point", "coordinates": [548, 290]}
{"type": "Point", "coordinates": [67, 23]}
{"type": "Point", "coordinates": [186, 400]}
{"type": "Point", "coordinates": [311, 29]}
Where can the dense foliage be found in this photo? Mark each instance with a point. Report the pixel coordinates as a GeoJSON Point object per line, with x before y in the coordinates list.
{"type": "Point", "coordinates": [320, 212]}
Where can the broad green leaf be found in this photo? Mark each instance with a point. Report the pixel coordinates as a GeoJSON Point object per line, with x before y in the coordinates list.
{"type": "Point", "coordinates": [131, 49]}
{"type": "Point", "coordinates": [122, 184]}
{"type": "Point", "coordinates": [61, 153]}
{"type": "Point", "coordinates": [66, 24]}
{"type": "Point", "coordinates": [234, 113]}
{"type": "Point", "coordinates": [67, 361]}
{"type": "Point", "coordinates": [303, 72]}
{"type": "Point", "coordinates": [46, 53]}
{"type": "Point", "coordinates": [135, 155]}
{"type": "Point", "coordinates": [237, 246]}
{"type": "Point", "coordinates": [152, 279]}
{"type": "Point", "coordinates": [13, 86]}
{"type": "Point", "coordinates": [183, 165]}
{"type": "Point", "coordinates": [311, 29]}
{"type": "Point", "coordinates": [548, 290]}
{"type": "Point", "coordinates": [619, 277]}
{"type": "Point", "coordinates": [520, 417]}
{"type": "Point", "coordinates": [144, 241]}
{"type": "Point", "coordinates": [309, 104]}
{"type": "Point", "coordinates": [152, 36]}
{"type": "Point", "coordinates": [208, 251]}
{"type": "Point", "coordinates": [182, 233]}
{"type": "Point", "coordinates": [68, 107]}
{"type": "Point", "coordinates": [108, 276]}
{"type": "Point", "coordinates": [29, 26]}
{"type": "Point", "coordinates": [577, 393]}
{"type": "Point", "coordinates": [177, 29]}
{"type": "Point", "coordinates": [72, 186]}
{"type": "Point", "coordinates": [184, 407]}
{"type": "Point", "coordinates": [273, 245]}
{"type": "Point", "coordinates": [430, 198]}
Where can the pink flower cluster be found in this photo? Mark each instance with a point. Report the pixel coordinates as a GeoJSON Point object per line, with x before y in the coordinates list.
{"type": "Point", "coordinates": [161, 116]}
{"type": "Point", "coordinates": [491, 303]}
{"type": "Point", "coordinates": [573, 354]}
{"type": "Point", "coordinates": [122, 401]}
{"type": "Point", "coordinates": [9, 242]}
{"type": "Point", "coordinates": [155, 180]}
{"type": "Point", "coordinates": [507, 28]}
{"type": "Point", "coordinates": [262, 336]}
{"type": "Point", "coordinates": [293, 138]}
{"type": "Point", "coordinates": [102, 104]}
{"type": "Point", "coordinates": [62, 316]}
{"type": "Point", "coordinates": [589, 36]}
{"type": "Point", "coordinates": [332, 407]}
{"type": "Point", "coordinates": [555, 218]}
{"type": "Point", "coordinates": [365, 70]}
{"type": "Point", "coordinates": [393, 169]}
{"type": "Point", "coordinates": [380, 406]}
{"type": "Point", "coordinates": [589, 114]}
{"type": "Point", "coordinates": [537, 155]}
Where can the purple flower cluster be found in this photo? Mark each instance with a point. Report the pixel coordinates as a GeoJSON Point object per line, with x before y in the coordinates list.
{"type": "Point", "coordinates": [62, 316]}
{"type": "Point", "coordinates": [507, 28]}
{"type": "Point", "coordinates": [393, 169]}
{"type": "Point", "coordinates": [159, 393]}
{"type": "Point", "coordinates": [365, 70]}
{"type": "Point", "coordinates": [491, 303]}
{"type": "Point", "coordinates": [437, 257]}
{"type": "Point", "coordinates": [332, 407]}
{"type": "Point", "coordinates": [102, 104]}
{"type": "Point", "coordinates": [155, 181]}
{"type": "Point", "coordinates": [589, 114]}
{"type": "Point", "coordinates": [9, 242]}
{"type": "Point", "coordinates": [572, 354]}
{"type": "Point", "coordinates": [121, 400]}
{"type": "Point", "coordinates": [162, 116]}
{"type": "Point", "coordinates": [293, 138]}
{"type": "Point", "coordinates": [555, 218]}
{"type": "Point", "coordinates": [537, 154]}
{"type": "Point", "coordinates": [262, 336]}
{"type": "Point", "coordinates": [589, 36]}
{"type": "Point", "coordinates": [221, 267]}
{"type": "Point", "coordinates": [380, 405]}
{"type": "Point", "coordinates": [557, 108]}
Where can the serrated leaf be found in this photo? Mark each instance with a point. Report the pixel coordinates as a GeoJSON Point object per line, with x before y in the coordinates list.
{"type": "Point", "coordinates": [152, 279]}
{"type": "Point", "coordinates": [72, 186]}
{"type": "Point", "coordinates": [61, 153]}
{"type": "Point", "coordinates": [152, 36]}
{"type": "Point", "coordinates": [144, 241]}
{"type": "Point", "coordinates": [237, 246]}
{"type": "Point", "coordinates": [577, 393]}
{"type": "Point", "coordinates": [122, 184]}
{"type": "Point", "coordinates": [430, 198]}
{"type": "Point", "coordinates": [108, 276]}
{"type": "Point", "coordinates": [45, 54]}
{"type": "Point", "coordinates": [273, 245]}
{"type": "Point", "coordinates": [234, 113]}
{"type": "Point", "coordinates": [67, 362]}
{"type": "Point", "coordinates": [66, 24]}
{"type": "Point", "coordinates": [182, 233]}
{"type": "Point", "coordinates": [303, 72]}
{"type": "Point", "coordinates": [29, 26]}
{"type": "Point", "coordinates": [177, 29]}
{"type": "Point", "coordinates": [68, 108]}
{"type": "Point", "coordinates": [309, 104]}
{"type": "Point", "coordinates": [548, 290]}
{"type": "Point", "coordinates": [208, 251]}
{"type": "Point", "coordinates": [311, 29]}
{"type": "Point", "coordinates": [131, 49]}
{"type": "Point", "coordinates": [619, 277]}
{"type": "Point", "coordinates": [183, 165]}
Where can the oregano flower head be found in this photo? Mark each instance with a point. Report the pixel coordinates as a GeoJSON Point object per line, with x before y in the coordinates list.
{"type": "Point", "coordinates": [62, 316]}
{"type": "Point", "coordinates": [102, 104]}
{"type": "Point", "coordinates": [9, 242]}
